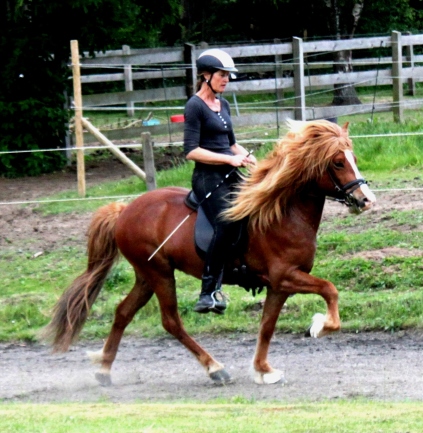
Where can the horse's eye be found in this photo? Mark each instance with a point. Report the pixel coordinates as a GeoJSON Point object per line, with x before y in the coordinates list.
{"type": "Point", "coordinates": [338, 164]}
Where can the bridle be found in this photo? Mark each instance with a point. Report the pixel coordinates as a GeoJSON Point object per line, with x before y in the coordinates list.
{"type": "Point", "coordinates": [347, 191]}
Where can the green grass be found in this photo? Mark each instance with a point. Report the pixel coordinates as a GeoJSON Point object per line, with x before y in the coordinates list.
{"type": "Point", "coordinates": [233, 416]}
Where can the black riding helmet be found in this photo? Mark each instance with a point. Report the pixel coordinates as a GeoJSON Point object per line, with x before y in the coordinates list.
{"type": "Point", "coordinates": [215, 60]}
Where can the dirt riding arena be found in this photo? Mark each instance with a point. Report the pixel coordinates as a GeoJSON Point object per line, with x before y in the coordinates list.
{"type": "Point", "coordinates": [379, 366]}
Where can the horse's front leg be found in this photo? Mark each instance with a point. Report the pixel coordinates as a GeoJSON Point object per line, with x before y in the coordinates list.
{"type": "Point", "coordinates": [322, 324]}
{"type": "Point", "coordinates": [263, 373]}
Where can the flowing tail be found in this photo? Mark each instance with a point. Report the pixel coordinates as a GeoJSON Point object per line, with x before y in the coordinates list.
{"type": "Point", "coordinates": [71, 310]}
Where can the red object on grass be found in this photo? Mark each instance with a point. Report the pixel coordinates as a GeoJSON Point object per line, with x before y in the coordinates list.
{"type": "Point", "coordinates": [176, 118]}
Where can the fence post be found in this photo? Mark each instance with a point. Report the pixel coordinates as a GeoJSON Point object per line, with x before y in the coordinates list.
{"type": "Point", "coordinates": [129, 85]}
{"type": "Point", "coordinates": [77, 102]}
{"type": "Point", "coordinates": [298, 57]}
{"type": "Point", "coordinates": [149, 168]}
{"type": "Point", "coordinates": [68, 136]}
{"type": "Point", "coordinates": [409, 52]}
{"type": "Point", "coordinates": [398, 92]}
{"type": "Point", "coordinates": [191, 69]}
{"type": "Point", "coordinates": [278, 75]}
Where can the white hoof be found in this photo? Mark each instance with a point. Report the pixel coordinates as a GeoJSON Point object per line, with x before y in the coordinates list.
{"type": "Point", "coordinates": [96, 357]}
{"type": "Point", "coordinates": [276, 376]}
{"type": "Point", "coordinates": [316, 328]}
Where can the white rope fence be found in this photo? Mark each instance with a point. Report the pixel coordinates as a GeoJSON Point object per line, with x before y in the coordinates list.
{"type": "Point", "coordinates": [180, 143]}
{"type": "Point", "coordinates": [132, 196]}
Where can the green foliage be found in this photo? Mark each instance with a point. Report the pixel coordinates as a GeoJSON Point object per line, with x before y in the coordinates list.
{"type": "Point", "coordinates": [383, 17]}
{"type": "Point", "coordinates": [24, 127]}
{"type": "Point", "coordinates": [34, 73]}
{"type": "Point", "coordinates": [32, 114]}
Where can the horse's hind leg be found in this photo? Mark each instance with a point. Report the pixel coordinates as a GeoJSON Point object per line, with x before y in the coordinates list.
{"type": "Point", "coordinates": [125, 312]}
{"type": "Point", "coordinates": [166, 294]}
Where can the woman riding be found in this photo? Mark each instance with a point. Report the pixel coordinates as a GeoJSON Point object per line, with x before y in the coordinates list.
{"type": "Point", "coordinates": [209, 140]}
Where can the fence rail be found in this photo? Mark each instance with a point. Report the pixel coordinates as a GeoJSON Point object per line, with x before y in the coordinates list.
{"type": "Point", "coordinates": [299, 67]}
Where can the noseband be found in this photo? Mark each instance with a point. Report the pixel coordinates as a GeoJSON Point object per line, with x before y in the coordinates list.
{"type": "Point", "coordinates": [346, 190]}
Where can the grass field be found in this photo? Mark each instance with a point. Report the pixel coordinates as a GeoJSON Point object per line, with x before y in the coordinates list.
{"type": "Point", "coordinates": [230, 417]}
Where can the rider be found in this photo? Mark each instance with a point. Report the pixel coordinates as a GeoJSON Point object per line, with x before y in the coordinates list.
{"type": "Point", "coordinates": [209, 140]}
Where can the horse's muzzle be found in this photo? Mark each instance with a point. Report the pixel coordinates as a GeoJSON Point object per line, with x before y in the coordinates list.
{"type": "Point", "coordinates": [360, 200]}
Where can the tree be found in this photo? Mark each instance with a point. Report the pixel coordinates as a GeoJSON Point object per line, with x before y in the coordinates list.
{"type": "Point", "coordinates": [344, 17]}
{"type": "Point", "coordinates": [35, 40]}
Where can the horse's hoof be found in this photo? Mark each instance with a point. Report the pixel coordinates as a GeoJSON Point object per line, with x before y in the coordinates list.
{"type": "Point", "coordinates": [220, 377]}
{"type": "Point", "coordinates": [104, 379]}
{"type": "Point", "coordinates": [316, 327]}
{"type": "Point", "coordinates": [276, 376]}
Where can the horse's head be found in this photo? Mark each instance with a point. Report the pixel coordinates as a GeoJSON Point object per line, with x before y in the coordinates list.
{"type": "Point", "coordinates": [347, 184]}
{"type": "Point", "coordinates": [322, 150]}
{"type": "Point", "coordinates": [314, 157]}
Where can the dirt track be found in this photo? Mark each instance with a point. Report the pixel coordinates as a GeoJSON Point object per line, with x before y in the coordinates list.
{"type": "Point", "coordinates": [378, 366]}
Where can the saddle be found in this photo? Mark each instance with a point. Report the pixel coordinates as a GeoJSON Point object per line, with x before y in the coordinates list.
{"type": "Point", "coordinates": [238, 273]}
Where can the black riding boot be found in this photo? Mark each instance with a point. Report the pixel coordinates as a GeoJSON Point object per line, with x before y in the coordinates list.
{"type": "Point", "coordinates": [208, 301]}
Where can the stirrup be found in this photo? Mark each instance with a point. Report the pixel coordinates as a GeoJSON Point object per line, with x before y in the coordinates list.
{"type": "Point", "coordinates": [221, 301]}
{"type": "Point", "coordinates": [214, 302]}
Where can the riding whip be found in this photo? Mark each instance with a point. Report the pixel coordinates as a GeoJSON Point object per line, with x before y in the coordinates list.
{"type": "Point", "coordinates": [199, 204]}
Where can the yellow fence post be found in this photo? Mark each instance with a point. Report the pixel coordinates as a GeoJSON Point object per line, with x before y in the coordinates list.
{"type": "Point", "coordinates": [77, 102]}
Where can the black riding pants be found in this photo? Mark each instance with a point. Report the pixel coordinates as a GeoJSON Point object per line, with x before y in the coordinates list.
{"type": "Point", "coordinates": [203, 182]}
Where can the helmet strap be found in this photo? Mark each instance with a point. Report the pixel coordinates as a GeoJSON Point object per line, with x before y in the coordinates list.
{"type": "Point", "coordinates": [209, 83]}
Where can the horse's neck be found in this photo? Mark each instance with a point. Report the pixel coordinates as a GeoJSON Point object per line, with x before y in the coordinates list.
{"type": "Point", "coordinates": [309, 208]}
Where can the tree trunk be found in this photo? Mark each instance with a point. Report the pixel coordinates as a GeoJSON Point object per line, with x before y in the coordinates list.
{"type": "Point", "coordinates": [344, 94]}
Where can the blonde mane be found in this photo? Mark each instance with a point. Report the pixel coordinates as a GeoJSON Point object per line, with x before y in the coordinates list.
{"type": "Point", "coordinates": [301, 156]}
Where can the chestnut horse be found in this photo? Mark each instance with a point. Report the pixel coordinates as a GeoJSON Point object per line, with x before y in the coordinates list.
{"type": "Point", "coordinates": [283, 198]}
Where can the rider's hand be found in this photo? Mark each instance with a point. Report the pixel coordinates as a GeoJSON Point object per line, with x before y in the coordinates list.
{"type": "Point", "coordinates": [239, 160]}
{"type": "Point", "coordinates": [251, 159]}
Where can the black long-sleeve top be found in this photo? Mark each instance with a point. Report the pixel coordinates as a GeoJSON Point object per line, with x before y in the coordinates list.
{"type": "Point", "coordinates": [206, 128]}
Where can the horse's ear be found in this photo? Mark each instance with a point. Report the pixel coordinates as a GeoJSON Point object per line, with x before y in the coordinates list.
{"type": "Point", "coordinates": [345, 126]}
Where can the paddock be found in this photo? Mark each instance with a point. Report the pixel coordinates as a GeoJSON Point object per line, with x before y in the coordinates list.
{"type": "Point", "coordinates": [380, 365]}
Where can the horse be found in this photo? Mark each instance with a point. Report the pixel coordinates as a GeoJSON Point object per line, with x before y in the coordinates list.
{"type": "Point", "coordinates": [282, 199]}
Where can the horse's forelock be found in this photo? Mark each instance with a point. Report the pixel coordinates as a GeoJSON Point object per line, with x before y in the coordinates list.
{"type": "Point", "coordinates": [318, 142]}
{"type": "Point", "coordinates": [309, 146]}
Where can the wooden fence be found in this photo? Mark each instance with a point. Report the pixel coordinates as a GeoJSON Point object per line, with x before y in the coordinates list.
{"type": "Point", "coordinates": [276, 68]}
